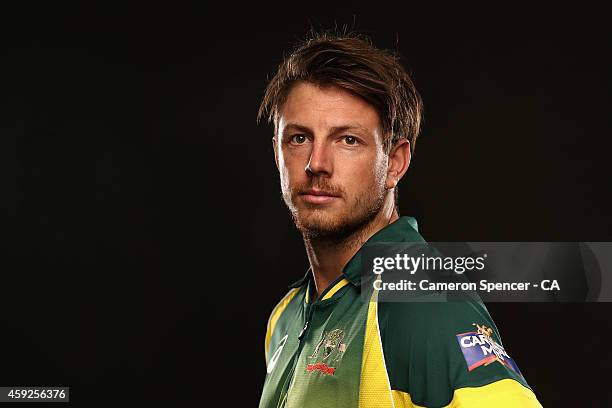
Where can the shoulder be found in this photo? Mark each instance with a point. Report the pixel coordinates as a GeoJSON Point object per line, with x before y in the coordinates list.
{"type": "Point", "coordinates": [277, 313]}
{"type": "Point", "coordinates": [422, 326]}
{"type": "Point", "coordinates": [282, 305]}
{"type": "Point", "coordinates": [434, 348]}
{"type": "Point", "coordinates": [422, 318]}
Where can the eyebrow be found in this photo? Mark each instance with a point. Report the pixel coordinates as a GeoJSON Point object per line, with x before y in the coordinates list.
{"type": "Point", "coordinates": [333, 130]}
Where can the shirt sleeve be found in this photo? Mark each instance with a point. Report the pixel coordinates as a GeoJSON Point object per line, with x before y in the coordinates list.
{"type": "Point", "coordinates": [449, 354]}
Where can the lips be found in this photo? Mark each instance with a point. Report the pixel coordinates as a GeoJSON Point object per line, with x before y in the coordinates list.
{"type": "Point", "coordinates": [316, 196]}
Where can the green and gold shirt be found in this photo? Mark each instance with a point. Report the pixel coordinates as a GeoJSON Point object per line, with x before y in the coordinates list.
{"type": "Point", "coordinates": [341, 351]}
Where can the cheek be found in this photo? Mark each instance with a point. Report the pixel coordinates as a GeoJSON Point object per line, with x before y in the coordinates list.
{"type": "Point", "coordinates": [381, 162]}
{"type": "Point", "coordinates": [365, 177]}
{"type": "Point", "coordinates": [284, 173]}
{"type": "Point", "coordinates": [380, 169]}
{"type": "Point", "coordinates": [290, 169]}
{"type": "Point", "coordinates": [375, 169]}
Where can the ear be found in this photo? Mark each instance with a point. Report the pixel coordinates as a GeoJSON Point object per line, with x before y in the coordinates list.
{"type": "Point", "coordinates": [399, 160]}
{"type": "Point", "coordinates": [275, 147]}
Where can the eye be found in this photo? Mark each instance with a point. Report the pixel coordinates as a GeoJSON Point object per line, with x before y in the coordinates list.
{"type": "Point", "coordinates": [350, 140]}
{"type": "Point", "coordinates": [298, 139]}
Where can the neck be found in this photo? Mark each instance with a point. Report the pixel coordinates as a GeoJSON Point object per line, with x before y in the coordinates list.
{"type": "Point", "coordinates": [329, 256]}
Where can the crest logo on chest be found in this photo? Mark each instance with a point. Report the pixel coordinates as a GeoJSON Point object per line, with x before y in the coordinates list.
{"type": "Point", "coordinates": [328, 352]}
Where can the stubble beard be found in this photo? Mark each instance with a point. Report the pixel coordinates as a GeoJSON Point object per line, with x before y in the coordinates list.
{"type": "Point", "coordinates": [343, 228]}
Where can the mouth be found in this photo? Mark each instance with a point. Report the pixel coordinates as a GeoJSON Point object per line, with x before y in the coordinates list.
{"type": "Point", "coordinates": [316, 196]}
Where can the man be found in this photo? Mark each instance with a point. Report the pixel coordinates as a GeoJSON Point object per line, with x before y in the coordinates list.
{"type": "Point", "coordinates": [346, 118]}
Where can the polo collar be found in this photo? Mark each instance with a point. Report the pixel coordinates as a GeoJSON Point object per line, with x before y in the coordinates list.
{"type": "Point", "coordinates": [404, 229]}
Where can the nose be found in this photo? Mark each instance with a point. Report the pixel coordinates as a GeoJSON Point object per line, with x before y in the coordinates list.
{"type": "Point", "coordinates": [320, 161]}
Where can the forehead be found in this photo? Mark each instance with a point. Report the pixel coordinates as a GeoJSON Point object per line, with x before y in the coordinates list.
{"type": "Point", "coordinates": [328, 106]}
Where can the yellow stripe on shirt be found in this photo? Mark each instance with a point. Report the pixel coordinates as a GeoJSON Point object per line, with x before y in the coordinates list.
{"type": "Point", "coordinates": [374, 387]}
{"type": "Point", "coordinates": [335, 289]}
{"type": "Point", "coordinates": [506, 393]}
{"type": "Point", "coordinates": [274, 316]}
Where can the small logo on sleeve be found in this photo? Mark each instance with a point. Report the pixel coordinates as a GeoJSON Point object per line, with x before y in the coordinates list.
{"type": "Point", "coordinates": [479, 348]}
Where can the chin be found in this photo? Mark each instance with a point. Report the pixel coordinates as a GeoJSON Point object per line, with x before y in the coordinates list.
{"type": "Point", "coordinates": [316, 218]}
{"type": "Point", "coordinates": [322, 223]}
{"type": "Point", "coordinates": [335, 221]}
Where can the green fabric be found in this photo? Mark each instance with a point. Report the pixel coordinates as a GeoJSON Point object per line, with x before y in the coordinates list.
{"type": "Point", "coordinates": [421, 350]}
{"type": "Point", "coordinates": [422, 354]}
{"type": "Point", "coordinates": [333, 340]}
{"type": "Point", "coordinates": [290, 383]}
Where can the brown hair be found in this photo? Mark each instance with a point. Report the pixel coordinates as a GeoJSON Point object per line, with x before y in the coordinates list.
{"type": "Point", "coordinates": [351, 62]}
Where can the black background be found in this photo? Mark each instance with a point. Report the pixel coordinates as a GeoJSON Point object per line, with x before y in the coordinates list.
{"type": "Point", "coordinates": [146, 242]}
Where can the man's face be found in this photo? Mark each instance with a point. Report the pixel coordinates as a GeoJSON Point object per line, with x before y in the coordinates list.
{"type": "Point", "coordinates": [331, 161]}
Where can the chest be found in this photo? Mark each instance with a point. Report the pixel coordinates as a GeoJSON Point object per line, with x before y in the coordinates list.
{"type": "Point", "coordinates": [317, 355]}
